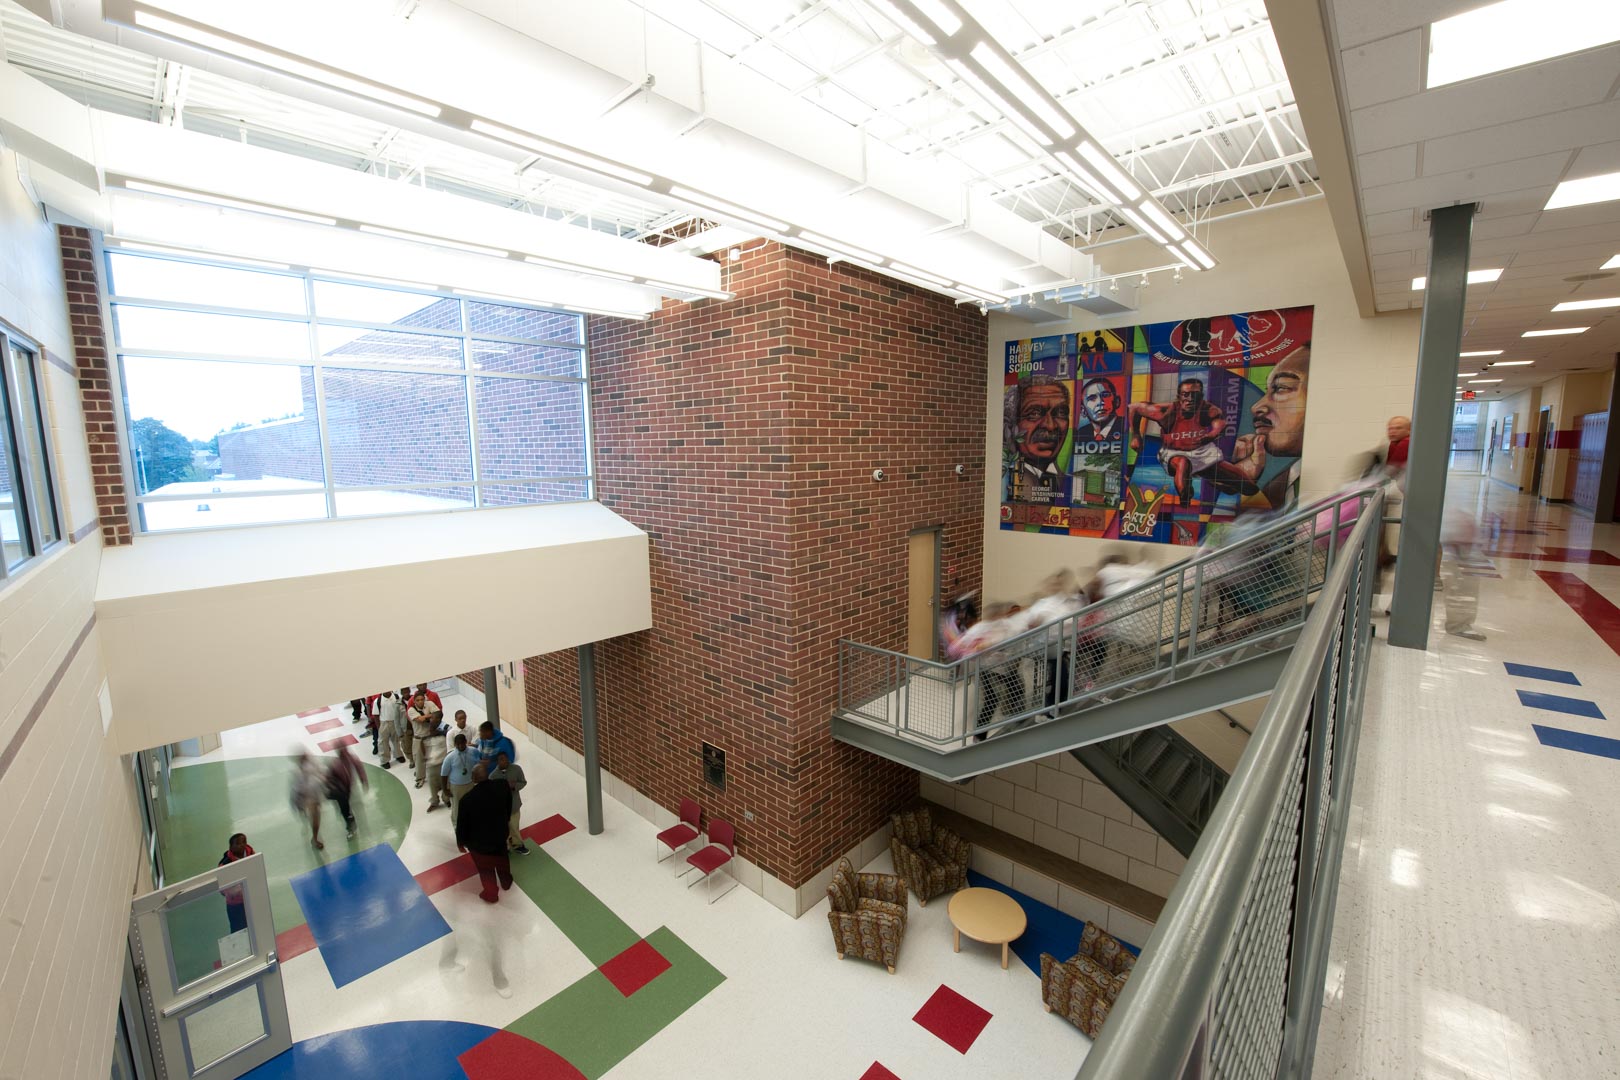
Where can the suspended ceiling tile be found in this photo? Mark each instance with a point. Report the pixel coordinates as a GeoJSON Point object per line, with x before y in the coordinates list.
{"type": "Point", "coordinates": [1566, 130]}
{"type": "Point", "coordinates": [1367, 20]}
{"type": "Point", "coordinates": [1390, 166]}
{"type": "Point", "coordinates": [1466, 186]}
{"type": "Point", "coordinates": [1394, 221]}
{"type": "Point", "coordinates": [1384, 70]}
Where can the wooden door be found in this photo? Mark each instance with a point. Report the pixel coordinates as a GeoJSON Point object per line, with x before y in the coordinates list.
{"type": "Point", "coordinates": [922, 603]}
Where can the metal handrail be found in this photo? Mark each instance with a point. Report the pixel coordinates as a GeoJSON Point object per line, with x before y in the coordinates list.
{"type": "Point", "coordinates": [1175, 598]}
{"type": "Point", "coordinates": [1170, 1021]}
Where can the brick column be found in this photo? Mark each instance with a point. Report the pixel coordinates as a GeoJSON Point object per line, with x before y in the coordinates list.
{"type": "Point", "coordinates": [93, 359]}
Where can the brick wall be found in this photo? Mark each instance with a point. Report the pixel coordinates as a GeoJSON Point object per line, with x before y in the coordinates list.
{"type": "Point", "coordinates": [741, 435]}
{"type": "Point", "coordinates": [93, 358]}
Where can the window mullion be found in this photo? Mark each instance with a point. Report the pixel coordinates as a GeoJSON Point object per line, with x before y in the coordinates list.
{"type": "Point", "coordinates": [318, 377]}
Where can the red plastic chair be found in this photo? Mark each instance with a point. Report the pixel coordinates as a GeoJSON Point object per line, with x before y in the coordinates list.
{"type": "Point", "coordinates": [720, 850]}
{"type": "Point", "coordinates": [677, 836]}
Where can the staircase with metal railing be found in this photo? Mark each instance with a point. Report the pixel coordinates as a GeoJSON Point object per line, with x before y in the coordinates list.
{"type": "Point", "coordinates": [1199, 636]}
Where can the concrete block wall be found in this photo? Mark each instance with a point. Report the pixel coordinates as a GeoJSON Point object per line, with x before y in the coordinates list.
{"type": "Point", "coordinates": [1057, 803]}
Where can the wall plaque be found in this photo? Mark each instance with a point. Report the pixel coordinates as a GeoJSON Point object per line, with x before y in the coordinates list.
{"type": "Point", "coordinates": [714, 766]}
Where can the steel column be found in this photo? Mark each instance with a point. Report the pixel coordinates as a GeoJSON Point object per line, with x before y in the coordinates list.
{"type": "Point", "coordinates": [1432, 406]}
{"type": "Point", "coordinates": [1609, 476]}
{"type": "Point", "coordinates": [587, 726]}
{"type": "Point", "coordinates": [492, 698]}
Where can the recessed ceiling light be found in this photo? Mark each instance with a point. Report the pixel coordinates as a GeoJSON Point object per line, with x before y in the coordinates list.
{"type": "Point", "coordinates": [1590, 189]}
{"type": "Point", "coordinates": [1513, 33]}
{"type": "Point", "coordinates": [1583, 305]}
{"type": "Point", "coordinates": [1612, 264]}
{"type": "Point", "coordinates": [1555, 333]}
{"type": "Point", "coordinates": [1475, 277]}
{"type": "Point", "coordinates": [1482, 352]}
{"type": "Point", "coordinates": [1466, 374]}
{"type": "Point", "coordinates": [1475, 382]}
{"type": "Point", "coordinates": [1512, 363]}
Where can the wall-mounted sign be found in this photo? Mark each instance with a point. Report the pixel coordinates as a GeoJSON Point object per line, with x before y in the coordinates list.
{"type": "Point", "coordinates": [714, 765]}
{"type": "Point", "coordinates": [1155, 433]}
{"type": "Point", "coordinates": [1468, 395]}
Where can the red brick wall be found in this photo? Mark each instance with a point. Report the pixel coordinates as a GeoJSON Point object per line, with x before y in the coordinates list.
{"type": "Point", "coordinates": [93, 358]}
{"type": "Point", "coordinates": [741, 435]}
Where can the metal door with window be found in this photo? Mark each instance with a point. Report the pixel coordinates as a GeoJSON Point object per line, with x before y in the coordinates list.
{"type": "Point", "coordinates": [210, 983]}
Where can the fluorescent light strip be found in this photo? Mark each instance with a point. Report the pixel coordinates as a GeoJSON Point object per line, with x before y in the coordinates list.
{"type": "Point", "coordinates": [1110, 169]}
{"type": "Point", "coordinates": [369, 280]}
{"type": "Point", "coordinates": [712, 294]}
{"type": "Point", "coordinates": [168, 249]}
{"type": "Point", "coordinates": [1591, 189]}
{"type": "Point", "coordinates": [1513, 33]}
{"type": "Point", "coordinates": [905, 22]}
{"type": "Point", "coordinates": [1586, 305]}
{"type": "Point", "coordinates": [1187, 260]}
{"type": "Point", "coordinates": [302, 69]}
{"type": "Point", "coordinates": [1555, 333]}
{"type": "Point", "coordinates": [435, 241]}
{"type": "Point", "coordinates": [1466, 374]}
{"type": "Point", "coordinates": [1512, 363]}
{"type": "Point", "coordinates": [994, 98]}
{"type": "Point", "coordinates": [547, 148]}
{"type": "Point", "coordinates": [1023, 90]}
{"type": "Point", "coordinates": [1204, 257]}
{"type": "Point", "coordinates": [1087, 177]}
{"type": "Point", "coordinates": [227, 201]}
{"type": "Point", "coordinates": [941, 16]}
{"type": "Point", "coordinates": [1612, 264]}
{"type": "Point", "coordinates": [1476, 382]}
{"type": "Point", "coordinates": [575, 268]}
{"type": "Point", "coordinates": [720, 206]}
{"type": "Point", "coordinates": [1475, 277]}
{"type": "Point", "coordinates": [847, 250]}
{"type": "Point", "coordinates": [1156, 214]}
{"type": "Point", "coordinates": [1142, 225]}
{"type": "Point", "coordinates": [1482, 352]}
{"type": "Point", "coordinates": [921, 275]}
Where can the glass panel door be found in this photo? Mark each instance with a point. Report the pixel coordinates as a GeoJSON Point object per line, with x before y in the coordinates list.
{"type": "Point", "coordinates": [205, 954]}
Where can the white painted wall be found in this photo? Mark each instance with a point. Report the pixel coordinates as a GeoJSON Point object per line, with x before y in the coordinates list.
{"type": "Point", "coordinates": [1362, 370]}
{"type": "Point", "coordinates": [257, 623]}
{"type": "Point", "coordinates": [70, 843]}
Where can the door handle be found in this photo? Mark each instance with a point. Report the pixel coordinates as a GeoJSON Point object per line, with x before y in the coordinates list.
{"type": "Point", "coordinates": [187, 1004]}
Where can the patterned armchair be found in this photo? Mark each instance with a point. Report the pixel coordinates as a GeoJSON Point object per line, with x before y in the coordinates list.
{"type": "Point", "coordinates": [1084, 988]}
{"type": "Point", "coordinates": [868, 914]}
{"type": "Point", "coordinates": [931, 857]}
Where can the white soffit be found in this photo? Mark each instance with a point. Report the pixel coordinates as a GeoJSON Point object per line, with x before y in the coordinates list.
{"type": "Point", "coordinates": [1504, 140]}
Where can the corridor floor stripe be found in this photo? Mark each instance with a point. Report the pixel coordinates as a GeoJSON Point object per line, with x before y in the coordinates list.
{"type": "Point", "coordinates": [594, 1027]}
{"type": "Point", "coordinates": [1545, 674]}
{"type": "Point", "coordinates": [1591, 556]}
{"type": "Point", "coordinates": [1580, 742]}
{"type": "Point", "coordinates": [584, 920]}
{"type": "Point", "coordinates": [1592, 606]}
{"type": "Point", "coordinates": [1558, 703]}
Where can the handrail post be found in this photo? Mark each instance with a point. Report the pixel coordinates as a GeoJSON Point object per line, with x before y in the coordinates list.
{"type": "Point", "coordinates": [1198, 608]}
{"type": "Point", "coordinates": [1175, 635]}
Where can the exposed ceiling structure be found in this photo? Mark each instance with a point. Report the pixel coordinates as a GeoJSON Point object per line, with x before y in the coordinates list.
{"type": "Point", "coordinates": [846, 127]}
{"type": "Point", "coordinates": [1503, 140]}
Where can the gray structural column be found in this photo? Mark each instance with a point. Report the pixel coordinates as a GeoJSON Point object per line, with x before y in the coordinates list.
{"type": "Point", "coordinates": [492, 699]}
{"type": "Point", "coordinates": [1433, 404]}
{"type": "Point", "coordinates": [1609, 478]}
{"type": "Point", "coordinates": [587, 727]}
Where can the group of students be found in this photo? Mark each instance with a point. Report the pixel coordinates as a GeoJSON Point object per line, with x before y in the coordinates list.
{"type": "Point", "coordinates": [965, 632]}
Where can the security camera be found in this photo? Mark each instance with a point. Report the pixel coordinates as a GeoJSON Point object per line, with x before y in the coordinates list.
{"type": "Point", "coordinates": [961, 470]}
{"type": "Point", "coordinates": [878, 475]}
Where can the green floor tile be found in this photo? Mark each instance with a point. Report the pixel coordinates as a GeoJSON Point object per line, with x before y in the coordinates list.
{"type": "Point", "coordinates": [584, 920]}
{"type": "Point", "coordinates": [209, 802]}
{"type": "Point", "coordinates": [595, 1027]}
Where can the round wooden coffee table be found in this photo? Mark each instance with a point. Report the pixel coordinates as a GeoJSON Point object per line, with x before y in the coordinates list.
{"type": "Point", "coordinates": [987, 915]}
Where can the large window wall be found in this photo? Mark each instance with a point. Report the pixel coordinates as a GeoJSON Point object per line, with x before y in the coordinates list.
{"type": "Point", "coordinates": [255, 395]}
{"type": "Point", "coordinates": [29, 519]}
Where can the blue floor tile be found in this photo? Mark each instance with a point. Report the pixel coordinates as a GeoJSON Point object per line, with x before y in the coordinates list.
{"type": "Point", "coordinates": [1557, 703]}
{"type": "Point", "coordinates": [1049, 930]}
{"type": "Point", "coordinates": [418, 1049]}
{"type": "Point", "coordinates": [1546, 674]}
{"type": "Point", "coordinates": [366, 911]}
{"type": "Point", "coordinates": [1596, 745]}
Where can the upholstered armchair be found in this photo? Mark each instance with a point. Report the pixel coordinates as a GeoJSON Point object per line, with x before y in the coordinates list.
{"type": "Point", "coordinates": [1083, 988]}
{"type": "Point", "coordinates": [931, 857]}
{"type": "Point", "coordinates": [867, 913]}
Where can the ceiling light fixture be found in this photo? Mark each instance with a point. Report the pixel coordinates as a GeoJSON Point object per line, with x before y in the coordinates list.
{"type": "Point", "coordinates": [546, 148]}
{"type": "Point", "coordinates": [728, 209]}
{"type": "Point", "coordinates": [1116, 176]}
{"type": "Point", "coordinates": [275, 61]}
{"type": "Point", "coordinates": [1591, 189]}
{"type": "Point", "coordinates": [435, 241]}
{"type": "Point", "coordinates": [166, 249]}
{"type": "Point", "coordinates": [1113, 285]}
{"type": "Point", "coordinates": [921, 275]}
{"type": "Point", "coordinates": [1587, 305]}
{"type": "Point", "coordinates": [574, 268]}
{"type": "Point", "coordinates": [1466, 374]}
{"type": "Point", "coordinates": [392, 283]}
{"type": "Point", "coordinates": [712, 294]}
{"type": "Point", "coordinates": [1476, 382]}
{"type": "Point", "coordinates": [1555, 333]}
{"type": "Point", "coordinates": [904, 21]}
{"type": "Point", "coordinates": [1513, 33]}
{"type": "Point", "coordinates": [1144, 282]}
{"type": "Point", "coordinates": [847, 250]}
{"type": "Point", "coordinates": [1204, 258]}
{"type": "Point", "coordinates": [1482, 352]}
{"type": "Point", "coordinates": [226, 201]}
{"type": "Point", "coordinates": [1156, 214]}
{"type": "Point", "coordinates": [1475, 277]}
{"type": "Point", "coordinates": [1086, 176]}
{"type": "Point", "coordinates": [1023, 91]}
{"type": "Point", "coordinates": [1612, 264]}
{"type": "Point", "coordinates": [1142, 226]}
{"type": "Point", "coordinates": [1511, 363]}
{"type": "Point", "coordinates": [999, 102]}
{"type": "Point", "coordinates": [941, 16]}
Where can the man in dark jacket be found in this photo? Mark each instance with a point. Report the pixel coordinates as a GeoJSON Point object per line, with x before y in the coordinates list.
{"type": "Point", "coordinates": [481, 830]}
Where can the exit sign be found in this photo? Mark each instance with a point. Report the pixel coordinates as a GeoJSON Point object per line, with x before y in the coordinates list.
{"type": "Point", "coordinates": [1468, 395]}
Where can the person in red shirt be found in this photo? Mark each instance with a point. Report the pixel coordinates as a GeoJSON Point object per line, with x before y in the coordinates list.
{"type": "Point", "coordinates": [235, 903]}
{"type": "Point", "coordinates": [1399, 430]}
{"type": "Point", "coordinates": [1188, 429]}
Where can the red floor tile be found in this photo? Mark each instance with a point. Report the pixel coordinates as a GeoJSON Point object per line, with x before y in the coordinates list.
{"type": "Point", "coordinates": [1590, 556]}
{"type": "Point", "coordinates": [322, 725]}
{"type": "Point", "coordinates": [306, 714]}
{"type": "Point", "coordinates": [634, 968]}
{"type": "Point", "coordinates": [953, 1019]}
{"type": "Point", "coordinates": [549, 829]}
{"type": "Point", "coordinates": [295, 942]}
{"type": "Point", "coordinates": [341, 740]}
{"type": "Point", "coordinates": [446, 874]}
{"type": "Point", "coordinates": [878, 1072]}
{"type": "Point", "coordinates": [508, 1056]}
{"type": "Point", "coordinates": [1592, 606]}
